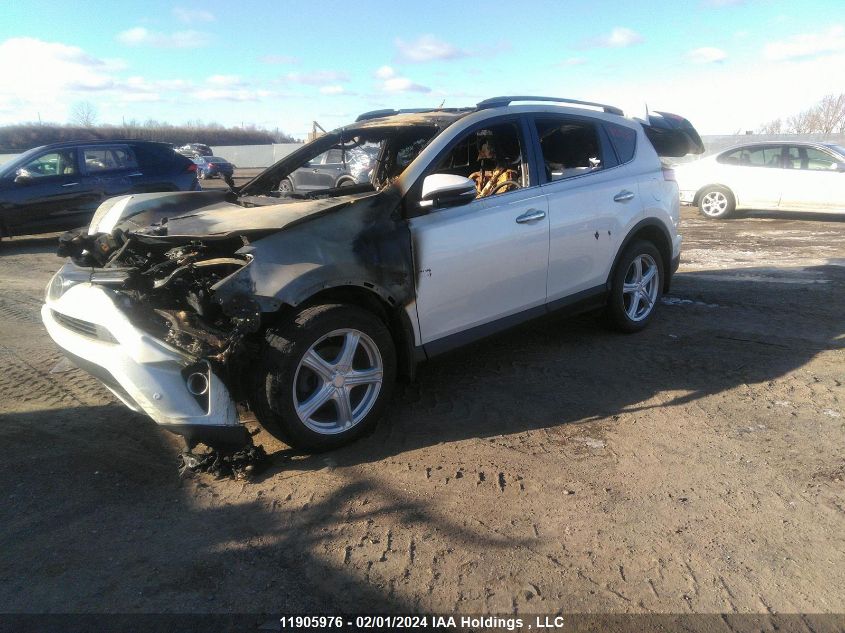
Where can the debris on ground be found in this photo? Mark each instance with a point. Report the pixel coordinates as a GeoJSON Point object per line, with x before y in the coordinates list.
{"type": "Point", "coordinates": [238, 465]}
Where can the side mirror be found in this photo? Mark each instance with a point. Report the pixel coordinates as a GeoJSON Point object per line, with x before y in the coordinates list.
{"type": "Point", "coordinates": [447, 190]}
{"type": "Point", "coordinates": [22, 177]}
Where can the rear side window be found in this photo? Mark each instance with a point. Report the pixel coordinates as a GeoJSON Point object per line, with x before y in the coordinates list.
{"type": "Point", "coordinates": [624, 141]}
{"type": "Point", "coordinates": [108, 159]}
{"type": "Point", "coordinates": [570, 148]}
{"type": "Point", "coordinates": [818, 160]}
{"type": "Point", "coordinates": [754, 157]}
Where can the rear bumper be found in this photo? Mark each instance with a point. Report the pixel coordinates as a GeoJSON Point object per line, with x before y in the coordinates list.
{"type": "Point", "coordinates": [145, 373]}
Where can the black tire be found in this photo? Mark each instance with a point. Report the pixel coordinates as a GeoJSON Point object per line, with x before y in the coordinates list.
{"type": "Point", "coordinates": [272, 392]}
{"type": "Point", "coordinates": [719, 202]}
{"type": "Point", "coordinates": [345, 182]}
{"type": "Point", "coordinates": [617, 312]}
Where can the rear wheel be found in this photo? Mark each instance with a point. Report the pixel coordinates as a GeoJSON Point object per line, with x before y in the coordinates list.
{"type": "Point", "coordinates": [636, 287]}
{"type": "Point", "coordinates": [716, 203]}
{"type": "Point", "coordinates": [324, 379]}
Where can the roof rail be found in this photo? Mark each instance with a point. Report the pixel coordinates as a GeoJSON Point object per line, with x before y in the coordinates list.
{"type": "Point", "coordinates": [496, 102]}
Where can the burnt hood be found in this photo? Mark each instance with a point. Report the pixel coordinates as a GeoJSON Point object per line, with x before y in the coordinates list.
{"type": "Point", "coordinates": [209, 214]}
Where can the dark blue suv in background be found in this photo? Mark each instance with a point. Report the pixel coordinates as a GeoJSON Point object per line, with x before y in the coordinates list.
{"type": "Point", "coordinates": [58, 187]}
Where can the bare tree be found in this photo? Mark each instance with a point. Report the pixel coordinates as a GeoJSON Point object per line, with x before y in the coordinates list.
{"type": "Point", "coordinates": [826, 117]}
{"type": "Point", "coordinates": [83, 113]}
{"type": "Point", "coordinates": [772, 127]}
{"type": "Point", "coordinates": [830, 114]}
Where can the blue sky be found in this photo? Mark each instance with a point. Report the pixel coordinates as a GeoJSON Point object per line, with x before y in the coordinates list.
{"type": "Point", "coordinates": [727, 65]}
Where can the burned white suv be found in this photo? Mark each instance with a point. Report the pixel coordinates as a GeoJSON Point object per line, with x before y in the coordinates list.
{"type": "Point", "coordinates": [306, 307]}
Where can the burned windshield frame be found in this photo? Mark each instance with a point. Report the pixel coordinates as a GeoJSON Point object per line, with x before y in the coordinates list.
{"type": "Point", "coordinates": [388, 165]}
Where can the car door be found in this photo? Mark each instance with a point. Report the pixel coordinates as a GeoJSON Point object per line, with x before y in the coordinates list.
{"type": "Point", "coordinates": [812, 182]}
{"type": "Point", "coordinates": [47, 193]}
{"type": "Point", "coordinates": [591, 200]}
{"type": "Point", "coordinates": [754, 174]}
{"type": "Point", "coordinates": [482, 264]}
{"type": "Point", "coordinates": [110, 169]}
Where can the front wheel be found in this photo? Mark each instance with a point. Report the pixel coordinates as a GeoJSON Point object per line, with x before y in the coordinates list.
{"type": "Point", "coordinates": [324, 379]}
{"type": "Point", "coordinates": [636, 287]}
{"type": "Point", "coordinates": [716, 203]}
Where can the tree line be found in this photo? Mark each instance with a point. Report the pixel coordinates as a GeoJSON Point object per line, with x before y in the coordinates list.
{"type": "Point", "coordinates": [23, 136]}
{"type": "Point", "coordinates": [826, 117]}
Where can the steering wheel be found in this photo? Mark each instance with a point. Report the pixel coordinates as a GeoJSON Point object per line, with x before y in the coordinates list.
{"type": "Point", "coordinates": [505, 183]}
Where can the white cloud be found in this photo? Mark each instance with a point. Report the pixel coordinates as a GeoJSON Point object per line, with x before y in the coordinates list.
{"type": "Point", "coordinates": [403, 84]}
{"type": "Point", "coordinates": [427, 48]}
{"type": "Point", "coordinates": [318, 77]}
{"type": "Point", "coordinates": [619, 37]}
{"type": "Point", "coordinates": [332, 90]}
{"type": "Point", "coordinates": [141, 36]}
{"type": "Point", "coordinates": [706, 55]}
{"type": "Point", "coordinates": [391, 81]}
{"type": "Point", "coordinates": [385, 72]}
{"type": "Point", "coordinates": [192, 16]}
{"type": "Point", "coordinates": [806, 45]}
{"type": "Point", "coordinates": [224, 80]}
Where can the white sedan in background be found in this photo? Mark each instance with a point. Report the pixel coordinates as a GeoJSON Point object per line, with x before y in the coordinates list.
{"type": "Point", "coordinates": [772, 176]}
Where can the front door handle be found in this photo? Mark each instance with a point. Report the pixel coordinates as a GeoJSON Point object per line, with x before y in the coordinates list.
{"type": "Point", "coordinates": [623, 196]}
{"type": "Point", "coordinates": [532, 215]}
{"type": "Point", "coordinates": [70, 184]}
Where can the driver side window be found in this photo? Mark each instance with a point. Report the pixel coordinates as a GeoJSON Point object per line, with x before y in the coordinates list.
{"type": "Point", "coordinates": [59, 163]}
{"type": "Point", "coordinates": [491, 157]}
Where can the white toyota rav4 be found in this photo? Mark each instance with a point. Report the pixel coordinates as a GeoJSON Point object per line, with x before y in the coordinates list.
{"type": "Point", "coordinates": [306, 307]}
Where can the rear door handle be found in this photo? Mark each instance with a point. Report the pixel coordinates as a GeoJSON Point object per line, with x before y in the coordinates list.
{"type": "Point", "coordinates": [532, 215]}
{"type": "Point", "coordinates": [70, 184]}
{"type": "Point", "coordinates": [623, 196]}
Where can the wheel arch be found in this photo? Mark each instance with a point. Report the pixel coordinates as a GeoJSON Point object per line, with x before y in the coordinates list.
{"type": "Point", "coordinates": [367, 297]}
{"type": "Point", "coordinates": [344, 178]}
{"type": "Point", "coordinates": [654, 231]}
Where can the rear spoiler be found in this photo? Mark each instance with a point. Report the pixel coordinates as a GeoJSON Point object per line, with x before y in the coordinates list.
{"type": "Point", "coordinates": [672, 135]}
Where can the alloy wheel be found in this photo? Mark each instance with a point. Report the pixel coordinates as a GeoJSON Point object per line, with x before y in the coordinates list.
{"type": "Point", "coordinates": [714, 203]}
{"type": "Point", "coordinates": [640, 288]}
{"type": "Point", "coordinates": [338, 381]}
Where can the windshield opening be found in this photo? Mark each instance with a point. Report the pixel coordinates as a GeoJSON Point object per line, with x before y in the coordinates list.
{"type": "Point", "coordinates": [344, 162]}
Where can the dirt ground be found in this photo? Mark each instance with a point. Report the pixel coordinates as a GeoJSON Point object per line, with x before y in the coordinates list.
{"type": "Point", "coordinates": [695, 467]}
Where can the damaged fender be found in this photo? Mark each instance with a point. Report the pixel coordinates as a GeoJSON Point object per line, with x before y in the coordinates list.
{"type": "Point", "coordinates": [364, 242]}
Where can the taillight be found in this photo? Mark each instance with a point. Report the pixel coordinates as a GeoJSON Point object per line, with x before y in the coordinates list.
{"type": "Point", "coordinates": [211, 164]}
{"type": "Point", "coordinates": [669, 174]}
{"type": "Point", "coordinates": [191, 167]}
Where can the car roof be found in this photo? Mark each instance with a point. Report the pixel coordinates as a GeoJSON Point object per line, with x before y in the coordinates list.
{"type": "Point", "coordinates": [90, 143]}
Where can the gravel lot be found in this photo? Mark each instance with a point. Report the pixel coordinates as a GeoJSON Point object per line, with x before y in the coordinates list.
{"type": "Point", "coordinates": [695, 467]}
